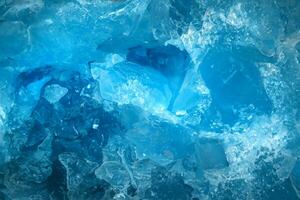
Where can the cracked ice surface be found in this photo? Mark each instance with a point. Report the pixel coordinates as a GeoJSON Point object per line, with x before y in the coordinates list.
{"type": "Point", "coordinates": [149, 99]}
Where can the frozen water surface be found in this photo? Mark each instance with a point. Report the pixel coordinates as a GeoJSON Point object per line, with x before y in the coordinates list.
{"type": "Point", "coordinates": [149, 99]}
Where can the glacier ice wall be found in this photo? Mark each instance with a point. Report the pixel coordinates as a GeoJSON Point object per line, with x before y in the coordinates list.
{"type": "Point", "coordinates": [149, 99]}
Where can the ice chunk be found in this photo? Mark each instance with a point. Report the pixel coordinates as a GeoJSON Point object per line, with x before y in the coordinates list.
{"type": "Point", "coordinates": [77, 169]}
{"type": "Point", "coordinates": [53, 93]}
{"type": "Point", "coordinates": [193, 99]}
{"type": "Point", "coordinates": [160, 141]}
{"type": "Point", "coordinates": [295, 178]}
{"type": "Point", "coordinates": [191, 93]}
{"type": "Point", "coordinates": [23, 9]}
{"type": "Point", "coordinates": [210, 154]}
{"type": "Point", "coordinates": [110, 61]}
{"type": "Point", "coordinates": [128, 83]}
{"type": "Point", "coordinates": [80, 180]}
{"type": "Point", "coordinates": [114, 173]}
{"type": "Point", "coordinates": [142, 172]}
{"type": "Point", "coordinates": [234, 82]}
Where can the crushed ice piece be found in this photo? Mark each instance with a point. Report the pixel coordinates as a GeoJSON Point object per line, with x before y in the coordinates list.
{"type": "Point", "coordinates": [160, 144]}
{"type": "Point", "coordinates": [128, 83]}
{"type": "Point", "coordinates": [53, 93]}
{"type": "Point", "coordinates": [114, 173]}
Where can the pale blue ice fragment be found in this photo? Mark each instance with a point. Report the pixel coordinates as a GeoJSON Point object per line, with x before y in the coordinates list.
{"type": "Point", "coordinates": [114, 173]}
{"type": "Point", "coordinates": [129, 83]}
{"type": "Point", "coordinates": [193, 99]}
{"type": "Point", "coordinates": [77, 169]}
{"type": "Point", "coordinates": [53, 93]}
{"type": "Point", "coordinates": [161, 142]}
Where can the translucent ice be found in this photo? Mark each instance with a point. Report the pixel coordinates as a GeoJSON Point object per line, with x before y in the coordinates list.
{"type": "Point", "coordinates": [128, 83]}
{"type": "Point", "coordinates": [53, 93]}
{"type": "Point", "coordinates": [149, 99]}
{"type": "Point", "coordinates": [114, 173]}
{"type": "Point", "coordinates": [210, 154]}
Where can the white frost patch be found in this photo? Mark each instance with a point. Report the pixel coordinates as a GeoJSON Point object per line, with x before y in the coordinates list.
{"type": "Point", "coordinates": [265, 139]}
{"type": "Point", "coordinates": [236, 16]}
{"type": "Point", "coordinates": [276, 89]}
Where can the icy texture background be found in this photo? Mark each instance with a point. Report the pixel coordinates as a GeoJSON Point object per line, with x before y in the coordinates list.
{"type": "Point", "coordinates": [149, 99]}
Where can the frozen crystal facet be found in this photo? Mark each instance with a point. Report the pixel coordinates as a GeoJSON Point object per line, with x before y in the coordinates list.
{"type": "Point", "coordinates": [53, 93]}
{"type": "Point", "coordinates": [210, 154]}
{"type": "Point", "coordinates": [128, 83]}
{"type": "Point", "coordinates": [113, 173]}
